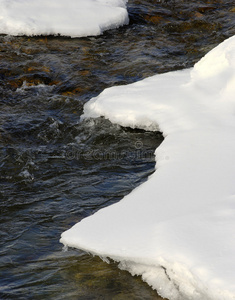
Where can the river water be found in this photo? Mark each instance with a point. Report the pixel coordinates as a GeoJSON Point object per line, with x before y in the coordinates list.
{"type": "Point", "coordinates": [55, 168]}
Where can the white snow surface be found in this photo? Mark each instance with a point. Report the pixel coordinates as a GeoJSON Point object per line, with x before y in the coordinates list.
{"type": "Point", "coordinates": [75, 18]}
{"type": "Point", "coordinates": [177, 230]}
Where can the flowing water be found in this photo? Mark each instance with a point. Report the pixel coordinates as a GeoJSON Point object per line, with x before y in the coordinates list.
{"type": "Point", "coordinates": [55, 168]}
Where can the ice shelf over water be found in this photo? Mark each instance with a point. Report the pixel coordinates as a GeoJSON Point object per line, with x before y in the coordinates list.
{"type": "Point", "coordinates": [177, 230]}
{"type": "Point", "coordinates": [75, 18]}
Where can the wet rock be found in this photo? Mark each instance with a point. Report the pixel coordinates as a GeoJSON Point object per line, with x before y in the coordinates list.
{"type": "Point", "coordinates": [198, 15]}
{"type": "Point", "coordinates": [32, 69]}
{"type": "Point", "coordinates": [30, 80]}
{"type": "Point", "coordinates": [203, 9]}
{"type": "Point", "coordinates": [153, 19]}
{"type": "Point", "coordinates": [72, 92]}
{"type": "Point", "coordinates": [199, 25]}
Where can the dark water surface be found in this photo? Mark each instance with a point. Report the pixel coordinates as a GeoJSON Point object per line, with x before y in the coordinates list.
{"type": "Point", "coordinates": [56, 170]}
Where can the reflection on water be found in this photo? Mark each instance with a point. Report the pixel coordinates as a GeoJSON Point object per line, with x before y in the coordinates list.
{"type": "Point", "coordinates": [57, 170]}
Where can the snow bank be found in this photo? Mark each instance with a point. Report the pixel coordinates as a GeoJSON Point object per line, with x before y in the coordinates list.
{"type": "Point", "coordinates": [177, 230]}
{"type": "Point", "coordinates": [73, 18]}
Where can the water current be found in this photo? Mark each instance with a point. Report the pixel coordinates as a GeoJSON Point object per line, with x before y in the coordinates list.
{"type": "Point", "coordinates": [55, 169]}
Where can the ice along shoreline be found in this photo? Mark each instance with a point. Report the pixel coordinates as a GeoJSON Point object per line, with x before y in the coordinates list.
{"type": "Point", "coordinates": [74, 18]}
{"type": "Point", "coordinates": [176, 229]}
